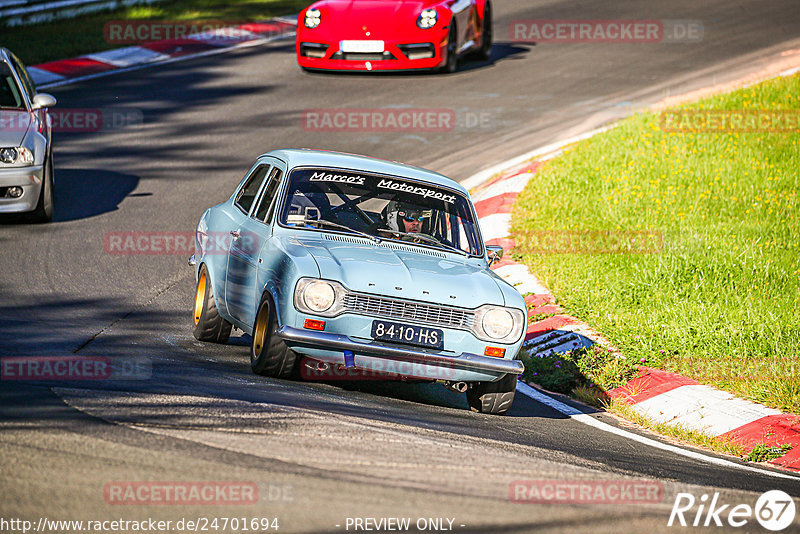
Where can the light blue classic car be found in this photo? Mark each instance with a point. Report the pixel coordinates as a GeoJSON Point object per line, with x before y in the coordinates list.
{"type": "Point", "coordinates": [349, 262]}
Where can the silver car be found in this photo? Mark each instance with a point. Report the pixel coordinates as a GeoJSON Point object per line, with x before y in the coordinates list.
{"type": "Point", "coordinates": [26, 150]}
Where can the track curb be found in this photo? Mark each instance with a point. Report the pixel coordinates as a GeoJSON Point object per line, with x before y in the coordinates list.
{"type": "Point", "coordinates": [90, 66]}
{"type": "Point", "coordinates": [659, 395]}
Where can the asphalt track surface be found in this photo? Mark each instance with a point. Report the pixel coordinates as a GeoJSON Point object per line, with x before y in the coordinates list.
{"type": "Point", "coordinates": [319, 453]}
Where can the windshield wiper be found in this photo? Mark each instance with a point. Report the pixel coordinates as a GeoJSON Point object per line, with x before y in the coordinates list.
{"type": "Point", "coordinates": [431, 240]}
{"type": "Point", "coordinates": [329, 224]}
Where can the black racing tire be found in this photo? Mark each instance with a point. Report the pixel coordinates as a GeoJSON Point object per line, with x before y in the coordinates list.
{"type": "Point", "coordinates": [452, 51]}
{"type": "Point", "coordinates": [269, 355]}
{"type": "Point", "coordinates": [485, 51]}
{"type": "Point", "coordinates": [493, 398]}
{"type": "Point", "coordinates": [208, 323]}
{"type": "Point", "coordinates": [45, 207]}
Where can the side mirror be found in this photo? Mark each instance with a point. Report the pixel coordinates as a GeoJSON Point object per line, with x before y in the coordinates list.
{"type": "Point", "coordinates": [43, 100]}
{"type": "Point", "coordinates": [494, 254]}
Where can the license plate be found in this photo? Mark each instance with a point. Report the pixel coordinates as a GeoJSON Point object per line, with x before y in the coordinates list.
{"type": "Point", "coordinates": [364, 47]}
{"type": "Point", "coordinates": [410, 335]}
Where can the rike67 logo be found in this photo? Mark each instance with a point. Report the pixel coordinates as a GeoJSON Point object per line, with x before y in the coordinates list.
{"type": "Point", "coordinates": [774, 510]}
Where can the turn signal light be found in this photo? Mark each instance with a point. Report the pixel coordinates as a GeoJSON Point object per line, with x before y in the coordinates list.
{"type": "Point", "coordinates": [496, 352]}
{"type": "Point", "coordinates": [313, 324]}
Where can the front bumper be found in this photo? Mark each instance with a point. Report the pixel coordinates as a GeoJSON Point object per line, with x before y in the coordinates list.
{"type": "Point", "coordinates": [30, 179]}
{"type": "Point", "coordinates": [398, 55]}
{"type": "Point", "coordinates": [366, 353]}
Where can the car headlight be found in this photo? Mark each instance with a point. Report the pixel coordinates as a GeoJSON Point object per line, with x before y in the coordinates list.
{"type": "Point", "coordinates": [496, 323]}
{"type": "Point", "coordinates": [16, 156]}
{"type": "Point", "coordinates": [313, 18]}
{"type": "Point", "coordinates": [318, 297]}
{"type": "Point", "coordinates": [427, 19]}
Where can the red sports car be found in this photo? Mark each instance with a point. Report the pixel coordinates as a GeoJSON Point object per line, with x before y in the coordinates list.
{"type": "Point", "coordinates": [392, 34]}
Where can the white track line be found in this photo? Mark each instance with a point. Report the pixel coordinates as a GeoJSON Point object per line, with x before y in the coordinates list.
{"type": "Point", "coordinates": [574, 413]}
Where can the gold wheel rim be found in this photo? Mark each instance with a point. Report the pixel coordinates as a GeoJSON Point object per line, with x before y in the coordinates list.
{"type": "Point", "coordinates": [259, 332]}
{"type": "Point", "coordinates": [199, 298]}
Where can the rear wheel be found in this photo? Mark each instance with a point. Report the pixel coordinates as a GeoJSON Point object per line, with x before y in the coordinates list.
{"type": "Point", "coordinates": [208, 323]}
{"type": "Point", "coordinates": [269, 355]}
{"type": "Point", "coordinates": [452, 50]}
{"type": "Point", "coordinates": [486, 40]}
{"type": "Point", "coordinates": [492, 397]}
{"type": "Point", "coordinates": [45, 207]}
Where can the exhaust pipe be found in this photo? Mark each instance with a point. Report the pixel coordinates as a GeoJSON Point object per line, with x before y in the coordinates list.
{"type": "Point", "coordinates": [316, 365]}
{"type": "Point", "coordinates": [458, 387]}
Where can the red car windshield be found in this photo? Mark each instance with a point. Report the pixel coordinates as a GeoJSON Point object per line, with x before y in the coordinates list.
{"type": "Point", "coordinates": [385, 207]}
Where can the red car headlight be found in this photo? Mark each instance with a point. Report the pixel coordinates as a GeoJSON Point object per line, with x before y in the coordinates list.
{"type": "Point", "coordinates": [427, 19]}
{"type": "Point", "coordinates": [313, 18]}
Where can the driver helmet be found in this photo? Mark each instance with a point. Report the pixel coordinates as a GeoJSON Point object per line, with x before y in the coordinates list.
{"type": "Point", "coordinates": [398, 211]}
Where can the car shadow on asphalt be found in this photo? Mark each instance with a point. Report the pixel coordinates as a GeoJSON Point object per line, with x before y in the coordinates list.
{"type": "Point", "coordinates": [83, 193]}
{"type": "Point", "coordinates": [425, 393]}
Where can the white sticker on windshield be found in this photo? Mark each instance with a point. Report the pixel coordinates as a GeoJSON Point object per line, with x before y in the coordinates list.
{"type": "Point", "coordinates": [416, 190]}
{"type": "Point", "coordinates": [338, 178]}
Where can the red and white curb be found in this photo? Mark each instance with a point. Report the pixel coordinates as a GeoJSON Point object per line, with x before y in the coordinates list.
{"type": "Point", "coordinates": [128, 58]}
{"type": "Point", "coordinates": [662, 397]}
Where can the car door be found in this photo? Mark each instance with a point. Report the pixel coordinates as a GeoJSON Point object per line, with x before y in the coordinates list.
{"type": "Point", "coordinates": [243, 248]}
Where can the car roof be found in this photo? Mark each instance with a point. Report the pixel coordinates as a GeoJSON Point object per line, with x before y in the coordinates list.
{"type": "Point", "coordinates": [296, 157]}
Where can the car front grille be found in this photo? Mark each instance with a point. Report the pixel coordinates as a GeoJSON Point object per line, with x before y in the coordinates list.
{"type": "Point", "coordinates": [430, 314]}
{"type": "Point", "coordinates": [363, 56]}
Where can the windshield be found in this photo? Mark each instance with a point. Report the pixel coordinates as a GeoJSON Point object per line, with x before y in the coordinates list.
{"type": "Point", "coordinates": [384, 207]}
{"type": "Point", "coordinates": [10, 95]}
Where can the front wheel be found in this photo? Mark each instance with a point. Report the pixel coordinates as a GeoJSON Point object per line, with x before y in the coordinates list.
{"type": "Point", "coordinates": [208, 323]}
{"type": "Point", "coordinates": [452, 51]}
{"type": "Point", "coordinates": [269, 355]}
{"type": "Point", "coordinates": [45, 207]}
{"type": "Point", "coordinates": [485, 51]}
{"type": "Point", "coordinates": [492, 397]}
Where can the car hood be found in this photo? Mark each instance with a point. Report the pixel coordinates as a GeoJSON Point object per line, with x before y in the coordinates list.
{"type": "Point", "coordinates": [405, 271]}
{"type": "Point", "coordinates": [13, 126]}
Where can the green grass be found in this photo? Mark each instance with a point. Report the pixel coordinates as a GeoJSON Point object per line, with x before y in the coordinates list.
{"type": "Point", "coordinates": [68, 38]}
{"type": "Point", "coordinates": [764, 453]}
{"type": "Point", "coordinates": [716, 293]}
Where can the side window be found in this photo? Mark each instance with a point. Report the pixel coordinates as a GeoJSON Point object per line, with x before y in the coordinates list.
{"type": "Point", "coordinates": [267, 206]}
{"type": "Point", "coordinates": [22, 72]}
{"type": "Point", "coordinates": [247, 194]}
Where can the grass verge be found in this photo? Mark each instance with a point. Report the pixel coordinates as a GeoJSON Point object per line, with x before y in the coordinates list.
{"type": "Point", "coordinates": [39, 43]}
{"type": "Point", "coordinates": [681, 247]}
